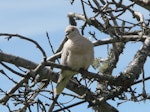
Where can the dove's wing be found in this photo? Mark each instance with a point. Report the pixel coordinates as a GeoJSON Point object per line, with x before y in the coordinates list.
{"type": "Point", "coordinates": [65, 75]}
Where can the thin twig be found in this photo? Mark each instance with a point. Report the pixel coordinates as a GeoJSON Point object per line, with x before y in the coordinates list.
{"type": "Point", "coordinates": [1, 71]}
{"type": "Point", "coordinates": [67, 107]}
{"type": "Point", "coordinates": [12, 70]}
{"type": "Point", "coordinates": [139, 81]}
{"type": "Point", "coordinates": [51, 46]}
{"type": "Point", "coordinates": [9, 36]}
{"type": "Point", "coordinates": [61, 45]}
{"type": "Point", "coordinates": [49, 41]}
{"type": "Point", "coordinates": [53, 104]}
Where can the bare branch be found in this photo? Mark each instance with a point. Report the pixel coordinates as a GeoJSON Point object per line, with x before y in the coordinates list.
{"type": "Point", "coordinates": [12, 70]}
{"type": "Point", "coordinates": [106, 17]}
{"type": "Point", "coordinates": [143, 3]}
{"type": "Point", "coordinates": [9, 36]}
{"type": "Point", "coordinates": [47, 35]}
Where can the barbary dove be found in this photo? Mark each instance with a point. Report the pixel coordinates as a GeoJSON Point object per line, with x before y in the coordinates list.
{"type": "Point", "coordinates": [77, 53]}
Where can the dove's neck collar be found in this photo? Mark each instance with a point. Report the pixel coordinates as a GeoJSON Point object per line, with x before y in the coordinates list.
{"type": "Point", "coordinates": [73, 35]}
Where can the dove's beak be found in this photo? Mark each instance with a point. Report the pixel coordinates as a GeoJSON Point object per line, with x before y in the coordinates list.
{"type": "Point", "coordinates": [67, 33]}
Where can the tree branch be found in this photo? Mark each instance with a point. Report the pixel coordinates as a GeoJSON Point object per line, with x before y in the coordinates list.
{"type": "Point", "coordinates": [143, 3]}
{"type": "Point", "coordinates": [9, 36]}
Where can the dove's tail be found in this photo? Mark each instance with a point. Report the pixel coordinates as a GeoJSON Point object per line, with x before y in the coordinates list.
{"type": "Point", "coordinates": [61, 84]}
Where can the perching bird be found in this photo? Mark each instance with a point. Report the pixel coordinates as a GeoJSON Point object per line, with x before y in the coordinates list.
{"type": "Point", "coordinates": [77, 53]}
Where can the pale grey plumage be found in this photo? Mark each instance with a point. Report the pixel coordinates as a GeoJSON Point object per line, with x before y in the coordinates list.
{"type": "Point", "coordinates": [77, 53]}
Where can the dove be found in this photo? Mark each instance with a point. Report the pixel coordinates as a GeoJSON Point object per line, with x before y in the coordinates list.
{"type": "Point", "coordinates": [77, 53]}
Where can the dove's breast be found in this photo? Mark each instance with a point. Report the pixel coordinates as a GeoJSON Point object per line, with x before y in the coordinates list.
{"type": "Point", "coordinates": [80, 54]}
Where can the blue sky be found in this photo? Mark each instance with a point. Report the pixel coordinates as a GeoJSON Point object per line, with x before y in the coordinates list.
{"type": "Point", "coordinates": [33, 18]}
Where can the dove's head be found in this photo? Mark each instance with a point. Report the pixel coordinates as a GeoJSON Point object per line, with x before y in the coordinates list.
{"type": "Point", "coordinates": [71, 31]}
